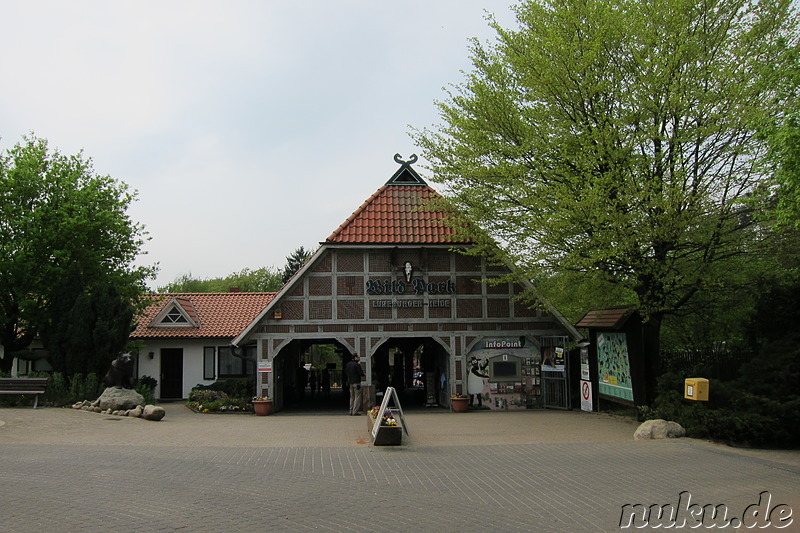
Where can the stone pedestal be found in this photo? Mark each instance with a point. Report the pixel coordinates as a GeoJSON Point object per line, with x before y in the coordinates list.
{"type": "Point", "coordinates": [119, 399]}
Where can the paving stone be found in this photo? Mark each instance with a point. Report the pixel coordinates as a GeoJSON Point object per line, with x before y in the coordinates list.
{"type": "Point", "coordinates": [68, 470]}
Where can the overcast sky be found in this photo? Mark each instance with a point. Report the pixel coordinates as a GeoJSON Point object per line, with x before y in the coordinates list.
{"type": "Point", "coordinates": [248, 128]}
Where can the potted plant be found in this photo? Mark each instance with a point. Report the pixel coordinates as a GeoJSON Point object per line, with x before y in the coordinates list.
{"type": "Point", "coordinates": [459, 403]}
{"type": "Point", "coordinates": [262, 405]}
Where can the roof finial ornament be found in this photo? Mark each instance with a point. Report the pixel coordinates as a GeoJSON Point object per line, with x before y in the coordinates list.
{"type": "Point", "coordinates": [405, 175]}
{"type": "Point", "coordinates": [408, 163]}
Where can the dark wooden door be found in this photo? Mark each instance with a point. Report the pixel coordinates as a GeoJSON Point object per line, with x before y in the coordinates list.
{"type": "Point", "coordinates": [171, 373]}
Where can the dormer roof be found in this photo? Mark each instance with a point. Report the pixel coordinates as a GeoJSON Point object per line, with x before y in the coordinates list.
{"type": "Point", "coordinates": [199, 315]}
{"type": "Point", "coordinates": [177, 312]}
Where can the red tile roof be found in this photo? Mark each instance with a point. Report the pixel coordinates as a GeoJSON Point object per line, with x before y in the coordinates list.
{"type": "Point", "coordinates": [397, 214]}
{"type": "Point", "coordinates": [188, 308]}
{"type": "Point", "coordinates": [220, 314]}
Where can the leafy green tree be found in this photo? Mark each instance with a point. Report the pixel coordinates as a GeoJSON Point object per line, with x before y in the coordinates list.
{"type": "Point", "coordinates": [186, 283]}
{"type": "Point", "coordinates": [62, 228]}
{"type": "Point", "coordinates": [782, 132]}
{"type": "Point", "coordinates": [265, 279]}
{"type": "Point", "coordinates": [295, 262]}
{"type": "Point", "coordinates": [784, 139]}
{"type": "Point", "coordinates": [87, 328]}
{"type": "Point", "coordinates": [722, 314]}
{"type": "Point", "coordinates": [619, 140]}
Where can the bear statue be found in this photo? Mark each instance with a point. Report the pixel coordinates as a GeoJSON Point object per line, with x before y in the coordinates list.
{"type": "Point", "coordinates": [121, 372]}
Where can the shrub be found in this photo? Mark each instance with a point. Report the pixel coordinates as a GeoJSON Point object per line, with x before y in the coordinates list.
{"type": "Point", "coordinates": [76, 389]}
{"type": "Point", "coordinates": [148, 381]}
{"type": "Point", "coordinates": [91, 387]}
{"type": "Point", "coordinates": [146, 391]}
{"type": "Point", "coordinates": [146, 386]}
{"type": "Point", "coordinates": [214, 405]}
{"type": "Point", "coordinates": [744, 412]}
{"type": "Point", "coordinates": [205, 396]}
{"type": "Point", "coordinates": [234, 388]}
{"type": "Point", "coordinates": [56, 392]}
{"type": "Point", "coordinates": [220, 405]}
{"type": "Point", "coordinates": [83, 388]}
{"type": "Point", "coordinates": [240, 388]}
{"type": "Point", "coordinates": [226, 395]}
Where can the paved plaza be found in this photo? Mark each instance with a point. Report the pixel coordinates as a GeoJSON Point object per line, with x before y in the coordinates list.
{"type": "Point", "coordinates": [66, 470]}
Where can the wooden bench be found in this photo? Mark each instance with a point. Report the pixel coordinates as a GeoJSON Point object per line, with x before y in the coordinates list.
{"type": "Point", "coordinates": [35, 386]}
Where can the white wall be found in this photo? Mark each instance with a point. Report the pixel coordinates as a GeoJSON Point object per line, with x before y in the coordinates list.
{"type": "Point", "coordinates": [192, 361]}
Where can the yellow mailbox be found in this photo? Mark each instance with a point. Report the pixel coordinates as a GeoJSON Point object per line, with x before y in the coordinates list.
{"type": "Point", "coordinates": [696, 389]}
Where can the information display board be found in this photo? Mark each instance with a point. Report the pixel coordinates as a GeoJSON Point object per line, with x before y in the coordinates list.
{"type": "Point", "coordinates": [613, 366]}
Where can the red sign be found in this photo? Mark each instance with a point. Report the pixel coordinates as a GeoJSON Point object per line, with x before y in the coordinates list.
{"type": "Point", "coordinates": [586, 396]}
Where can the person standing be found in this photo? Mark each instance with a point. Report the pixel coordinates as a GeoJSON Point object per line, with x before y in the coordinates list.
{"type": "Point", "coordinates": [326, 382]}
{"type": "Point", "coordinates": [312, 381]}
{"type": "Point", "coordinates": [353, 372]}
{"type": "Point", "coordinates": [301, 380]}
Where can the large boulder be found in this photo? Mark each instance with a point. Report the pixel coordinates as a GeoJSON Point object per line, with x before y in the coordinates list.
{"type": "Point", "coordinates": [659, 429]}
{"type": "Point", "coordinates": [119, 398]}
{"type": "Point", "coordinates": [153, 412]}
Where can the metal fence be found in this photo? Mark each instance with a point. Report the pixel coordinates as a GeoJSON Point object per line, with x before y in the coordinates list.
{"type": "Point", "coordinates": [715, 363]}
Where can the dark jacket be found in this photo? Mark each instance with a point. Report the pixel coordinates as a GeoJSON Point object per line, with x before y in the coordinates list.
{"type": "Point", "coordinates": [353, 372]}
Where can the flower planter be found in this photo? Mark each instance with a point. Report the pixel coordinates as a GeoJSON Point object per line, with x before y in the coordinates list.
{"type": "Point", "coordinates": [262, 407]}
{"type": "Point", "coordinates": [459, 405]}
{"type": "Point", "coordinates": [385, 435]}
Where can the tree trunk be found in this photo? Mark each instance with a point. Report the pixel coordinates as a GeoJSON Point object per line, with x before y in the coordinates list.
{"type": "Point", "coordinates": [651, 346]}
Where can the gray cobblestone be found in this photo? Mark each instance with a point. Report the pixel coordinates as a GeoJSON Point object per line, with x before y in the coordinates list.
{"type": "Point", "coordinates": [60, 471]}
